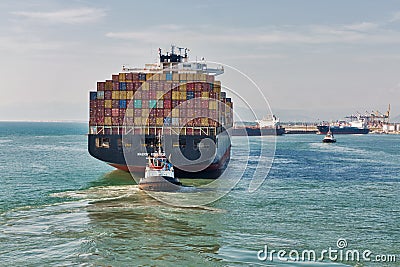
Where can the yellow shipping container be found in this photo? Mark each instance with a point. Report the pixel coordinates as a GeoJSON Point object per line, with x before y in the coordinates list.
{"type": "Point", "coordinates": [163, 77]}
{"type": "Point", "coordinates": [148, 76]}
{"type": "Point", "coordinates": [145, 86]}
{"type": "Point", "coordinates": [108, 85]}
{"type": "Point", "coordinates": [115, 95]}
{"type": "Point", "coordinates": [204, 121]}
{"type": "Point", "coordinates": [182, 87]}
{"type": "Point", "coordinates": [107, 104]}
{"type": "Point", "coordinates": [217, 83]}
{"type": "Point", "coordinates": [129, 95]}
{"type": "Point", "coordinates": [182, 95]}
{"type": "Point", "coordinates": [122, 77]}
{"type": "Point", "coordinates": [217, 89]}
{"type": "Point", "coordinates": [107, 121]}
{"type": "Point", "coordinates": [175, 76]}
{"type": "Point", "coordinates": [129, 112]}
{"type": "Point", "coordinates": [175, 113]}
{"type": "Point", "coordinates": [203, 77]}
{"type": "Point", "coordinates": [122, 95]}
{"type": "Point", "coordinates": [205, 94]}
{"type": "Point", "coordinates": [182, 77]}
{"type": "Point", "coordinates": [155, 77]}
{"type": "Point", "coordinates": [212, 105]}
{"type": "Point", "coordinates": [175, 95]}
{"type": "Point", "coordinates": [159, 121]}
{"type": "Point", "coordinates": [160, 94]}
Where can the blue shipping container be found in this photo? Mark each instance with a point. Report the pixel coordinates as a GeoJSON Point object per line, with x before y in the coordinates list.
{"type": "Point", "coordinates": [122, 103]}
{"type": "Point", "coordinates": [93, 95]}
{"type": "Point", "coordinates": [137, 103]}
{"type": "Point", "coordinates": [169, 77]}
{"type": "Point", "coordinates": [122, 86]}
{"type": "Point", "coordinates": [167, 121]}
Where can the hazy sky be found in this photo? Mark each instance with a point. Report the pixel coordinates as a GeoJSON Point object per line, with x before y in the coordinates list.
{"type": "Point", "coordinates": [312, 59]}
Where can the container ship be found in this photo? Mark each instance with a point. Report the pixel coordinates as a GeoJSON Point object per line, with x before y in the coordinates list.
{"type": "Point", "coordinates": [353, 127]}
{"type": "Point", "coordinates": [175, 98]}
{"type": "Point", "coordinates": [267, 126]}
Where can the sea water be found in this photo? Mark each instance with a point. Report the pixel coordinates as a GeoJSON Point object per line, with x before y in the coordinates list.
{"type": "Point", "coordinates": [61, 207]}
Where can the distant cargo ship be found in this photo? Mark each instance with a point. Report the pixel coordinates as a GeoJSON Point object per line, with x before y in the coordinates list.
{"type": "Point", "coordinates": [353, 127]}
{"type": "Point", "coordinates": [176, 98]}
{"type": "Point", "coordinates": [267, 126]}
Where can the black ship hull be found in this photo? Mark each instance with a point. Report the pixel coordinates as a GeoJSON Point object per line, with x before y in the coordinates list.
{"type": "Point", "coordinates": [256, 131]}
{"type": "Point", "coordinates": [113, 153]}
{"type": "Point", "coordinates": [323, 129]}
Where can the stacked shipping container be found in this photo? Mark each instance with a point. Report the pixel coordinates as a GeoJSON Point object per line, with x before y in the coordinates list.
{"type": "Point", "coordinates": [155, 100]}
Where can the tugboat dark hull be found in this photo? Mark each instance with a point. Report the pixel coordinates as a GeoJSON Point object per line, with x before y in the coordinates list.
{"type": "Point", "coordinates": [329, 141]}
{"type": "Point", "coordinates": [159, 183]}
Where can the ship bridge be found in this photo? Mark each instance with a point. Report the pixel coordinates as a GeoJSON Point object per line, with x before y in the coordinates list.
{"type": "Point", "coordinates": [177, 63]}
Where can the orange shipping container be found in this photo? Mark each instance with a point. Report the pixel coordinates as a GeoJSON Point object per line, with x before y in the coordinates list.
{"type": "Point", "coordinates": [108, 85]}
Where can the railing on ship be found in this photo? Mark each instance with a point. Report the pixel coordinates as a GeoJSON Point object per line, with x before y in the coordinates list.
{"type": "Point", "coordinates": [149, 130]}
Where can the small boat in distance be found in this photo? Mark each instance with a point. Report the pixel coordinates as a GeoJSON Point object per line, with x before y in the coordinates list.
{"type": "Point", "coordinates": [159, 173]}
{"type": "Point", "coordinates": [329, 138]}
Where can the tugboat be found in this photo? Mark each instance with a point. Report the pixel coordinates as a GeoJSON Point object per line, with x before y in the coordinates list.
{"type": "Point", "coordinates": [159, 173]}
{"type": "Point", "coordinates": [329, 138]}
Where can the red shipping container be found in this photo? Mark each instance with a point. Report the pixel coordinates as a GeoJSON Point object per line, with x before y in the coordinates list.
{"type": "Point", "coordinates": [115, 86]}
{"type": "Point", "coordinates": [93, 104]}
{"type": "Point", "coordinates": [137, 85]}
{"type": "Point", "coordinates": [115, 121]}
{"type": "Point", "coordinates": [122, 112]}
{"type": "Point", "coordinates": [100, 112]}
{"type": "Point", "coordinates": [115, 129]}
{"type": "Point", "coordinates": [129, 77]}
{"type": "Point", "coordinates": [101, 86]}
{"type": "Point", "coordinates": [152, 94]}
{"type": "Point", "coordinates": [175, 103]}
{"type": "Point", "coordinates": [197, 86]}
{"type": "Point", "coordinates": [145, 94]}
{"type": "Point", "coordinates": [115, 112]}
{"type": "Point", "coordinates": [190, 113]}
{"type": "Point", "coordinates": [205, 87]}
{"type": "Point", "coordinates": [190, 86]}
{"type": "Point", "coordinates": [100, 103]}
{"type": "Point", "coordinates": [138, 112]}
{"type": "Point", "coordinates": [212, 122]}
{"type": "Point", "coordinates": [204, 104]}
{"type": "Point", "coordinates": [182, 113]}
{"type": "Point", "coordinates": [92, 121]}
{"type": "Point", "coordinates": [128, 121]}
{"type": "Point", "coordinates": [197, 94]}
{"type": "Point", "coordinates": [204, 112]}
{"type": "Point", "coordinates": [115, 78]}
{"type": "Point", "coordinates": [115, 103]}
{"type": "Point", "coordinates": [160, 112]}
{"type": "Point", "coordinates": [167, 112]}
{"type": "Point", "coordinates": [167, 104]}
{"type": "Point", "coordinates": [107, 95]}
{"type": "Point", "coordinates": [135, 76]}
{"type": "Point", "coordinates": [107, 112]}
{"type": "Point", "coordinates": [130, 86]}
{"type": "Point", "coordinates": [100, 120]}
{"type": "Point", "coordinates": [190, 103]}
{"type": "Point", "coordinates": [167, 95]}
